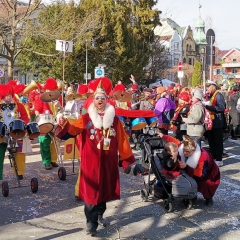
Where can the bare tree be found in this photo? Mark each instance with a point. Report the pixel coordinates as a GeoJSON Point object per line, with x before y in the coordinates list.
{"type": "Point", "coordinates": [13, 16]}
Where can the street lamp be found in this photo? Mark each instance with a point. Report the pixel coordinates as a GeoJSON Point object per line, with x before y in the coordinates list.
{"type": "Point", "coordinates": [203, 68]}
{"type": "Point", "coordinates": [93, 45]}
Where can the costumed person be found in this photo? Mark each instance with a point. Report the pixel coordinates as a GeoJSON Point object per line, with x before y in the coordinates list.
{"type": "Point", "coordinates": [120, 88]}
{"type": "Point", "coordinates": [9, 111]}
{"type": "Point", "coordinates": [198, 164]}
{"type": "Point", "coordinates": [47, 148]}
{"type": "Point", "coordinates": [103, 138]}
{"type": "Point", "coordinates": [164, 110]}
{"type": "Point", "coordinates": [178, 126]}
{"type": "Point", "coordinates": [195, 117]}
{"type": "Point", "coordinates": [216, 107]}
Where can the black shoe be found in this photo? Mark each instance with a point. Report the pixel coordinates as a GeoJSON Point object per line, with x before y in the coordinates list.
{"type": "Point", "coordinates": [127, 170]}
{"type": "Point", "coordinates": [20, 177]}
{"type": "Point", "coordinates": [209, 202]}
{"type": "Point", "coordinates": [101, 221]}
{"type": "Point", "coordinates": [54, 164]}
{"type": "Point", "coordinates": [91, 231]}
{"type": "Point", "coordinates": [48, 167]}
{"type": "Point", "coordinates": [234, 138]}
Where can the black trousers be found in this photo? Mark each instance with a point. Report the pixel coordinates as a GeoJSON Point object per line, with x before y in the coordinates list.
{"type": "Point", "coordinates": [215, 141]}
{"type": "Point", "coordinates": [93, 212]}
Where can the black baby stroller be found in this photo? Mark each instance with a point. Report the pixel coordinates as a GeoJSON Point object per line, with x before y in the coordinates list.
{"type": "Point", "coordinates": [182, 186]}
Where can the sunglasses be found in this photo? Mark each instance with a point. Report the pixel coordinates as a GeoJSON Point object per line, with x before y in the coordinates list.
{"type": "Point", "coordinates": [98, 98]}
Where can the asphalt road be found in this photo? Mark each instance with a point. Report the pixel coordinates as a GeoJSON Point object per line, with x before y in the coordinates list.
{"type": "Point", "coordinates": [53, 212]}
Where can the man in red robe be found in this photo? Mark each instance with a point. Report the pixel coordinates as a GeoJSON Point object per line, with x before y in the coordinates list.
{"type": "Point", "coordinates": [103, 137]}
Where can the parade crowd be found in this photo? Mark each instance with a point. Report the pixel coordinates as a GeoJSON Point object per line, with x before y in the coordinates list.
{"type": "Point", "coordinates": [103, 119]}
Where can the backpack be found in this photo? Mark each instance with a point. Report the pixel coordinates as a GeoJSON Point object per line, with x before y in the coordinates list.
{"type": "Point", "coordinates": [207, 123]}
{"type": "Point", "coordinates": [238, 105]}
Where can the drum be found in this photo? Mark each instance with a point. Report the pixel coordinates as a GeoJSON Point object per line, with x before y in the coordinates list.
{"type": "Point", "coordinates": [17, 128]}
{"type": "Point", "coordinates": [138, 123]}
{"type": "Point", "coordinates": [45, 123]}
{"type": "Point", "coordinates": [151, 122]}
{"type": "Point", "coordinates": [2, 131]}
{"type": "Point", "coordinates": [33, 130]}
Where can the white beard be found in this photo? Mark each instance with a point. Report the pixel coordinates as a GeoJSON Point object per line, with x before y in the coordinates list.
{"type": "Point", "coordinates": [102, 122]}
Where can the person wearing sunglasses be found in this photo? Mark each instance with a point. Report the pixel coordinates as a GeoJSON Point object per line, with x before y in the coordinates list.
{"type": "Point", "coordinates": [105, 147]}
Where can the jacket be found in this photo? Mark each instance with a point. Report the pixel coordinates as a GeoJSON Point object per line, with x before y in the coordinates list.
{"type": "Point", "coordinates": [195, 120]}
{"type": "Point", "coordinates": [164, 110]}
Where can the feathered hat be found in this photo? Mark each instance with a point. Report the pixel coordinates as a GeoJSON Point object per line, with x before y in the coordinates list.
{"type": "Point", "coordinates": [12, 83]}
{"type": "Point", "coordinates": [19, 88]}
{"type": "Point", "coordinates": [82, 89]}
{"type": "Point", "coordinates": [106, 84]}
{"type": "Point", "coordinates": [51, 85]}
{"type": "Point", "coordinates": [6, 90]}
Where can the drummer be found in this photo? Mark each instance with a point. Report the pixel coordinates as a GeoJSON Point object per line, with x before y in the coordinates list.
{"type": "Point", "coordinates": [48, 153]}
{"type": "Point", "coordinates": [9, 111]}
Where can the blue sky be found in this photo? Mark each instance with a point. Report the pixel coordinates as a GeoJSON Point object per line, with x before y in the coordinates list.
{"type": "Point", "coordinates": [224, 15]}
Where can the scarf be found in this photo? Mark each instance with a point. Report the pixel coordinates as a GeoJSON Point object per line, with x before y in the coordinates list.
{"type": "Point", "coordinates": [213, 102]}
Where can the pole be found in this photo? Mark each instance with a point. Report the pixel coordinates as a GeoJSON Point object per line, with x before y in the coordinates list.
{"type": "Point", "coordinates": [86, 62]}
{"type": "Point", "coordinates": [204, 75]}
{"type": "Point", "coordinates": [211, 56]}
{"type": "Point", "coordinates": [64, 58]}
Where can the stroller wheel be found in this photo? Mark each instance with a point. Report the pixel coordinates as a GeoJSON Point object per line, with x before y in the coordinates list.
{"type": "Point", "coordinates": [188, 203]}
{"type": "Point", "coordinates": [144, 195]}
{"type": "Point", "coordinates": [168, 205]}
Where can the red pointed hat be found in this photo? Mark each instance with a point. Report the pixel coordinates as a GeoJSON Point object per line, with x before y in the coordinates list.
{"type": "Point", "coordinates": [51, 84]}
{"type": "Point", "coordinates": [18, 88]}
{"type": "Point", "coordinates": [106, 84]}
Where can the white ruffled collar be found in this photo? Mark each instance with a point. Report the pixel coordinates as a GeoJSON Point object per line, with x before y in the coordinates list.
{"type": "Point", "coordinates": [193, 160]}
{"type": "Point", "coordinates": [102, 122]}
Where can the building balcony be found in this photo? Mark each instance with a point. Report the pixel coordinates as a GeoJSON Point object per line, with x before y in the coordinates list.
{"type": "Point", "coordinates": [232, 65]}
{"type": "Point", "coordinates": [191, 53]}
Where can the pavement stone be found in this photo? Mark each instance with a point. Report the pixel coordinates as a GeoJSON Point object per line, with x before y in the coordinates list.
{"type": "Point", "coordinates": [54, 213]}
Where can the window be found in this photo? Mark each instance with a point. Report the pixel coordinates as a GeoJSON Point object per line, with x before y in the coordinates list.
{"type": "Point", "coordinates": [176, 46]}
{"type": "Point", "coordinates": [234, 60]}
{"type": "Point", "coordinates": [234, 70]}
{"type": "Point", "coordinates": [190, 61]}
{"type": "Point", "coordinates": [187, 47]}
{"type": "Point", "coordinates": [184, 60]}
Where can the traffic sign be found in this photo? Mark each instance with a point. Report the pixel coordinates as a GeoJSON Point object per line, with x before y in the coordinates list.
{"type": "Point", "coordinates": [88, 76]}
{"type": "Point", "coordinates": [64, 46]}
{"type": "Point", "coordinates": [179, 66]}
{"type": "Point", "coordinates": [99, 72]}
{"type": "Point", "coordinates": [1, 72]}
{"type": "Point", "coordinates": [210, 33]}
{"type": "Point", "coordinates": [180, 74]}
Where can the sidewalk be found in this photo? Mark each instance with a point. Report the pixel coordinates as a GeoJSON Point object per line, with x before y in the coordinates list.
{"type": "Point", "coordinates": [53, 212]}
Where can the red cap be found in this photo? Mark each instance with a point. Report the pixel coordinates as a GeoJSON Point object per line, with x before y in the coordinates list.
{"type": "Point", "coordinates": [119, 87]}
{"type": "Point", "coordinates": [134, 87]}
{"type": "Point", "coordinates": [184, 96]}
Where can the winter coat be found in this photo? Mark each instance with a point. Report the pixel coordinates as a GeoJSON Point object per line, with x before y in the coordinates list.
{"type": "Point", "coordinates": [232, 109]}
{"type": "Point", "coordinates": [164, 110]}
{"type": "Point", "coordinates": [195, 120]}
{"type": "Point", "coordinates": [218, 110]}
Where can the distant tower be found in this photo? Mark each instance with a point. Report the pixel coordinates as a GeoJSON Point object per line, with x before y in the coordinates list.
{"type": "Point", "coordinates": [199, 32]}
